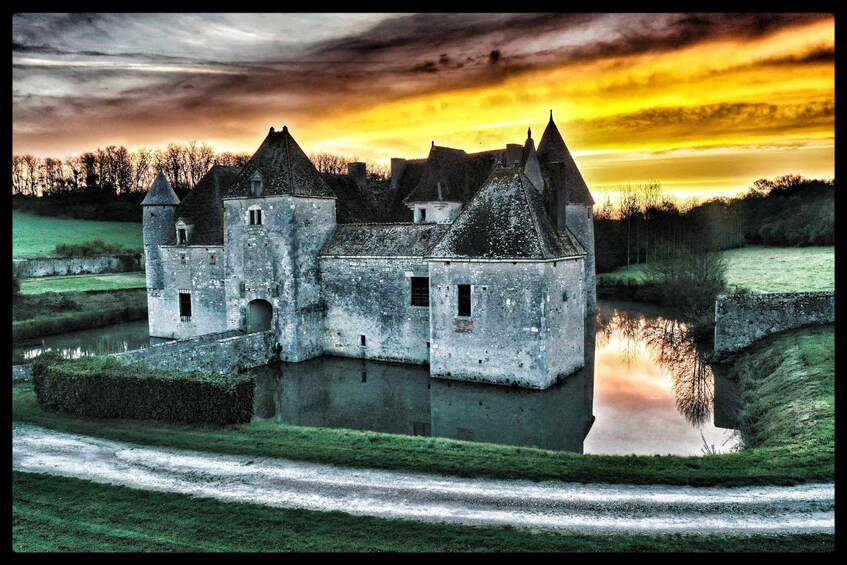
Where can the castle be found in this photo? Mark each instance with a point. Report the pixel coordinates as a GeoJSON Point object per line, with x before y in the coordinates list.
{"type": "Point", "coordinates": [491, 281]}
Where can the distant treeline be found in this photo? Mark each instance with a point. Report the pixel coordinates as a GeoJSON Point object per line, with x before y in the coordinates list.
{"type": "Point", "coordinates": [789, 210]}
{"type": "Point", "coordinates": [108, 184]}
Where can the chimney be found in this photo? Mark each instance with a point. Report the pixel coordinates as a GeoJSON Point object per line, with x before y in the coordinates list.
{"type": "Point", "coordinates": [358, 173]}
{"type": "Point", "coordinates": [514, 152]}
{"type": "Point", "coordinates": [398, 165]}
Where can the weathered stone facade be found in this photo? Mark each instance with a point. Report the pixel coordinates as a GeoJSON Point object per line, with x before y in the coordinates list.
{"type": "Point", "coordinates": [62, 266]}
{"type": "Point", "coordinates": [258, 249]}
{"type": "Point", "coordinates": [741, 319]}
{"type": "Point", "coordinates": [224, 352]}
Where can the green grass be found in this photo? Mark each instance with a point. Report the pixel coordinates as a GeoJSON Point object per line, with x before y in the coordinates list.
{"type": "Point", "coordinates": [789, 390]}
{"type": "Point", "coordinates": [37, 236]}
{"type": "Point", "coordinates": [112, 518]}
{"type": "Point", "coordinates": [761, 269]}
{"type": "Point", "coordinates": [810, 459]}
{"type": "Point", "coordinates": [83, 283]}
{"type": "Point", "coordinates": [53, 313]}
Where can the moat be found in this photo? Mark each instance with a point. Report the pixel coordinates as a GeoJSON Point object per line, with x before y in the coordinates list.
{"type": "Point", "coordinates": [651, 394]}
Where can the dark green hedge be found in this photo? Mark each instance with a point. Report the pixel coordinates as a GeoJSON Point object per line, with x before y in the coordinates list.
{"type": "Point", "coordinates": [103, 387]}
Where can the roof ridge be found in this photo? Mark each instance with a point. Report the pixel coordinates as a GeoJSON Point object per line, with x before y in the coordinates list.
{"type": "Point", "coordinates": [532, 217]}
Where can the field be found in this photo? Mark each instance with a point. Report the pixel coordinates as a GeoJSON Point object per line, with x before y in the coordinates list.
{"type": "Point", "coordinates": [74, 283]}
{"type": "Point", "coordinates": [37, 236]}
{"type": "Point", "coordinates": [763, 269]}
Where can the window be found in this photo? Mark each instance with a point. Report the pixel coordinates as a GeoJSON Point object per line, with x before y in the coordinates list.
{"type": "Point", "coordinates": [464, 300]}
{"type": "Point", "coordinates": [183, 258]}
{"type": "Point", "coordinates": [184, 305]}
{"type": "Point", "coordinates": [420, 291]}
{"type": "Point", "coordinates": [423, 214]}
{"type": "Point", "coordinates": [362, 341]}
{"type": "Point", "coordinates": [213, 259]}
{"type": "Point", "coordinates": [182, 235]}
{"type": "Point", "coordinates": [256, 184]}
{"type": "Point", "coordinates": [255, 217]}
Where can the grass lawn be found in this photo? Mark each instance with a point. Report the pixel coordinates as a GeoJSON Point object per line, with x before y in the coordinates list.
{"type": "Point", "coordinates": [769, 459]}
{"type": "Point", "coordinates": [113, 518]}
{"type": "Point", "coordinates": [762, 269]}
{"type": "Point", "coordinates": [37, 236]}
{"type": "Point", "coordinates": [71, 283]}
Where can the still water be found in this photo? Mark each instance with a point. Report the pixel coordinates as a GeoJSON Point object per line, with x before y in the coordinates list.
{"type": "Point", "coordinates": [651, 392]}
{"type": "Point", "coordinates": [109, 339]}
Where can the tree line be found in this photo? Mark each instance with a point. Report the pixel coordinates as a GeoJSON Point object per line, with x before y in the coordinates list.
{"type": "Point", "coordinates": [115, 170]}
{"type": "Point", "coordinates": [647, 224]}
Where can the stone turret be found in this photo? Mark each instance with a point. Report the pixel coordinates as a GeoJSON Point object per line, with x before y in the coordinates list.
{"type": "Point", "coordinates": [570, 205]}
{"type": "Point", "coordinates": [159, 207]}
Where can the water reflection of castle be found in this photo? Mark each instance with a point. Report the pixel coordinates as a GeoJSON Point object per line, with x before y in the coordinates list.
{"type": "Point", "coordinates": [403, 399]}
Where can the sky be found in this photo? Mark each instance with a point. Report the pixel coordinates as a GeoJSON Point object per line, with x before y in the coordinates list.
{"type": "Point", "coordinates": [703, 103]}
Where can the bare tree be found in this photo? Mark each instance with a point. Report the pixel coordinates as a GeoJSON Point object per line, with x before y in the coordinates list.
{"type": "Point", "coordinates": [329, 163]}
{"type": "Point", "coordinates": [142, 169]}
{"type": "Point", "coordinates": [628, 209]}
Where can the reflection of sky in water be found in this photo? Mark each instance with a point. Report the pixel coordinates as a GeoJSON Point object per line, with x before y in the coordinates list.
{"type": "Point", "coordinates": [110, 339]}
{"type": "Point", "coordinates": [639, 362]}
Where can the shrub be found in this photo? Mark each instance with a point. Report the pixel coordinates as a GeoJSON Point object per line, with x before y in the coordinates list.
{"type": "Point", "coordinates": [104, 387]}
{"type": "Point", "coordinates": [90, 249]}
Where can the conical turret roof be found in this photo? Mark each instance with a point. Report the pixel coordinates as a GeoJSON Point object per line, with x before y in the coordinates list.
{"type": "Point", "coordinates": [160, 193]}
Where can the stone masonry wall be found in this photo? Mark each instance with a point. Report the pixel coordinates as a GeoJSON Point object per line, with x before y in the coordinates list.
{"type": "Point", "coordinates": [200, 270]}
{"type": "Point", "coordinates": [224, 352]}
{"type": "Point", "coordinates": [61, 266]}
{"type": "Point", "coordinates": [505, 340]}
{"type": "Point", "coordinates": [372, 297]}
{"type": "Point", "coordinates": [741, 319]}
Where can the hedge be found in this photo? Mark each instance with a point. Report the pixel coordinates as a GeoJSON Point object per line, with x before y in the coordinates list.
{"type": "Point", "coordinates": [103, 387]}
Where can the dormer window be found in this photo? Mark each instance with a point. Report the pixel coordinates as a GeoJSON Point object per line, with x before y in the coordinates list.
{"type": "Point", "coordinates": [182, 236]}
{"type": "Point", "coordinates": [254, 216]}
{"type": "Point", "coordinates": [256, 185]}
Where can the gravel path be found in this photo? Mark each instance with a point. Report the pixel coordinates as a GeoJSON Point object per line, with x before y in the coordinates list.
{"type": "Point", "coordinates": [432, 498]}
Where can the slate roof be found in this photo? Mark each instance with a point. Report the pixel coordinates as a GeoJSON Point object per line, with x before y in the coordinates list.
{"type": "Point", "coordinates": [160, 193]}
{"type": "Point", "coordinates": [505, 220]}
{"type": "Point", "coordinates": [204, 208]}
{"type": "Point", "coordinates": [285, 170]}
{"type": "Point", "coordinates": [552, 149]}
{"type": "Point", "coordinates": [383, 240]}
{"type": "Point", "coordinates": [358, 204]}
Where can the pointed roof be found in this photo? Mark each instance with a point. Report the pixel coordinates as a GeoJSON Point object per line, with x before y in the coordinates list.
{"type": "Point", "coordinates": [530, 164]}
{"type": "Point", "coordinates": [445, 177]}
{"type": "Point", "coordinates": [160, 193]}
{"type": "Point", "coordinates": [284, 167]}
{"type": "Point", "coordinates": [552, 149]}
{"type": "Point", "coordinates": [506, 219]}
{"type": "Point", "coordinates": [204, 208]}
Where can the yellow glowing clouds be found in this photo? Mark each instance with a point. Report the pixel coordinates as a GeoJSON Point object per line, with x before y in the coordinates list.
{"type": "Point", "coordinates": [766, 106]}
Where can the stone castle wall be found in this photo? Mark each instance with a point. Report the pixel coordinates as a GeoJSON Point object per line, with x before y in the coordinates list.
{"type": "Point", "coordinates": [741, 319]}
{"type": "Point", "coordinates": [62, 266]}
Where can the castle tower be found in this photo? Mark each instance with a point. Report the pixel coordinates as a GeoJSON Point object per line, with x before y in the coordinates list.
{"type": "Point", "coordinates": [158, 228]}
{"type": "Point", "coordinates": [506, 290]}
{"type": "Point", "coordinates": [569, 204]}
{"type": "Point", "coordinates": [278, 213]}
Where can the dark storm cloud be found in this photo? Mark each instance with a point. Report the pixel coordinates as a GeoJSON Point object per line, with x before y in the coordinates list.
{"type": "Point", "coordinates": [236, 64]}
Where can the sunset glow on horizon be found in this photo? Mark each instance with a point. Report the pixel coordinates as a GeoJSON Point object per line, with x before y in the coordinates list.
{"type": "Point", "coordinates": [705, 104]}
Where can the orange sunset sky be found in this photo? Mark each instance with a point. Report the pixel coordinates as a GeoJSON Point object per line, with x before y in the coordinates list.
{"type": "Point", "coordinates": [704, 103]}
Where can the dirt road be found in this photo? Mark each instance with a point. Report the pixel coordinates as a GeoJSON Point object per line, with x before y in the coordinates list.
{"type": "Point", "coordinates": [432, 498]}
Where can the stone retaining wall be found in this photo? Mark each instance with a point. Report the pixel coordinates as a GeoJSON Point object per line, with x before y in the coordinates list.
{"type": "Point", "coordinates": [741, 319]}
{"type": "Point", "coordinates": [59, 266]}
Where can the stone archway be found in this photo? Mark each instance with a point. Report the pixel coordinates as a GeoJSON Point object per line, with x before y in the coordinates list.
{"type": "Point", "coordinates": [259, 316]}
